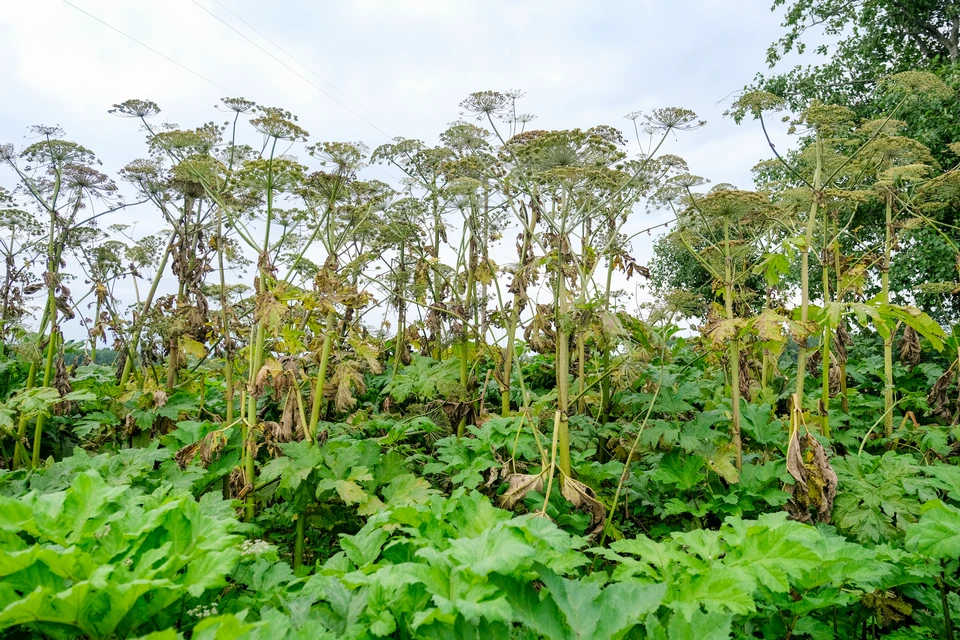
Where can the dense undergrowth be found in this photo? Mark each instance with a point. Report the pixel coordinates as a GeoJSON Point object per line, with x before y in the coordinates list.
{"type": "Point", "coordinates": [405, 538]}
{"type": "Point", "coordinates": [380, 431]}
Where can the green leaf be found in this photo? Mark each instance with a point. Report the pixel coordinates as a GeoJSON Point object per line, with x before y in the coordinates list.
{"type": "Point", "coordinates": [295, 466]}
{"type": "Point", "coordinates": [364, 547]}
{"type": "Point", "coordinates": [720, 589]}
{"type": "Point", "coordinates": [407, 489]}
{"type": "Point", "coordinates": [81, 395]}
{"type": "Point", "coordinates": [772, 556]}
{"type": "Point", "coordinates": [91, 422]}
{"type": "Point", "coordinates": [684, 471]}
{"type": "Point", "coordinates": [937, 534]}
{"type": "Point", "coordinates": [592, 611]}
{"type": "Point", "coordinates": [918, 320]}
{"type": "Point", "coordinates": [496, 550]}
{"type": "Point", "coordinates": [700, 626]}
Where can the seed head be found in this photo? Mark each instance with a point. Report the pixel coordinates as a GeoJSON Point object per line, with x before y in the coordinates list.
{"type": "Point", "coordinates": [46, 130]}
{"type": "Point", "coordinates": [136, 109]}
{"type": "Point", "coordinates": [755, 103]}
{"type": "Point", "coordinates": [916, 85]}
{"type": "Point", "coordinates": [487, 103]}
{"type": "Point", "coordinates": [672, 119]}
{"type": "Point", "coordinates": [239, 105]}
{"type": "Point", "coordinates": [279, 124]}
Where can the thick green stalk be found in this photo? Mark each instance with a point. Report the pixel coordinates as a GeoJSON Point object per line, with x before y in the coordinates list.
{"type": "Point", "coordinates": [582, 375]}
{"type": "Point", "coordinates": [52, 346]}
{"type": "Point", "coordinates": [805, 271]}
{"type": "Point", "coordinates": [508, 356]}
{"type": "Point", "coordinates": [322, 371]}
{"type": "Point", "coordinates": [256, 352]}
{"type": "Point", "coordinates": [468, 305]}
{"type": "Point", "coordinates": [581, 341]}
{"type": "Point", "coordinates": [825, 346]}
{"type": "Point", "coordinates": [401, 314]}
{"type": "Point", "coordinates": [765, 367]}
{"type": "Point", "coordinates": [138, 326]}
{"type": "Point", "coordinates": [734, 355]}
{"type": "Point", "coordinates": [844, 403]}
{"type": "Point", "coordinates": [300, 540]}
{"type": "Point", "coordinates": [562, 364]}
{"type": "Point", "coordinates": [529, 224]}
{"type": "Point", "coordinates": [888, 340]}
{"type": "Point", "coordinates": [19, 453]}
{"type": "Point", "coordinates": [301, 531]}
{"type": "Point", "coordinates": [173, 360]}
{"type": "Point", "coordinates": [605, 381]}
{"type": "Point", "coordinates": [225, 321]}
{"type": "Point", "coordinates": [256, 362]}
{"type": "Point", "coordinates": [437, 281]}
{"type": "Point", "coordinates": [93, 340]}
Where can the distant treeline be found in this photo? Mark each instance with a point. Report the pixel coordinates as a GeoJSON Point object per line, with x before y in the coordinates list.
{"type": "Point", "coordinates": [104, 356]}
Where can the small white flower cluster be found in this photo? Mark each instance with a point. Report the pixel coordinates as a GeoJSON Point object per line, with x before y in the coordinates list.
{"type": "Point", "coordinates": [102, 532]}
{"type": "Point", "coordinates": [203, 612]}
{"type": "Point", "coordinates": [127, 561]}
{"type": "Point", "coordinates": [254, 547]}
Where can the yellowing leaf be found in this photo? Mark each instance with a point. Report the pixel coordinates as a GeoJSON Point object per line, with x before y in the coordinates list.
{"type": "Point", "coordinates": [192, 347]}
{"type": "Point", "coordinates": [722, 464]}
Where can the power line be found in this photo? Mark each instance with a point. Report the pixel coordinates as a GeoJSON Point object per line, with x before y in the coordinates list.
{"type": "Point", "coordinates": [305, 66]}
{"type": "Point", "coordinates": [149, 48]}
{"type": "Point", "coordinates": [215, 84]}
{"type": "Point", "coordinates": [288, 67]}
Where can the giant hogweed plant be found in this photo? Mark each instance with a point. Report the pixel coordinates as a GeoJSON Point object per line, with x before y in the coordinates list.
{"type": "Point", "coordinates": [58, 178]}
{"type": "Point", "coordinates": [722, 229]}
{"type": "Point", "coordinates": [570, 180]}
{"type": "Point", "coordinates": [351, 462]}
{"type": "Point", "coordinates": [836, 167]}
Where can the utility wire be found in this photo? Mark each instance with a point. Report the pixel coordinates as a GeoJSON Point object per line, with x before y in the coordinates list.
{"type": "Point", "coordinates": [288, 67]}
{"type": "Point", "coordinates": [305, 66]}
{"type": "Point", "coordinates": [302, 77]}
{"type": "Point", "coordinates": [149, 48]}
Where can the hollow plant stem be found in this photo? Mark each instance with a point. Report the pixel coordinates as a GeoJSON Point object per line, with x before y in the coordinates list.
{"type": "Point", "coordinates": [888, 339]}
{"type": "Point", "coordinates": [734, 355]}
{"type": "Point", "coordinates": [805, 269]}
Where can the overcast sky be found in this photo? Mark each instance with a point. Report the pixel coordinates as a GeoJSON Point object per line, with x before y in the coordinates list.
{"type": "Point", "coordinates": [401, 65]}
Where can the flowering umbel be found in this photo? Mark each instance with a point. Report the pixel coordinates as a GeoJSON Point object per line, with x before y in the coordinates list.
{"type": "Point", "coordinates": [136, 109]}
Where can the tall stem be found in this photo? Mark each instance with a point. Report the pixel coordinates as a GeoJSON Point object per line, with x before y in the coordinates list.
{"type": "Point", "coordinates": [528, 225]}
{"type": "Point", "coordinates": [399, 341]}
{"type": "Point", "coordinates": [734, 355]}
{"type": "Point", "coordinates": [52, 345]}
{"type": "Point", "coordinates": [19, 452]}
{"type": "Point", "coordinates": [51, 277]}
{"type": "Point", "coordinates": [225, 321]}
{"type": "Point", "coordinates": [437, 279]}
{"type": "Point", "coordinates": [468, 308]}
{"type": "Point", "coordinates": [563, 374]}
{"type": "Point", "coordinates": [321, 380]}
{"type": "Point", "coordinates": [805, 270]}
{"type": "Point", "coordinates": [138, 325]}
{"type": "Point", "coordinates": [844, 402]}
{"type": "Point", "coordinates": [93, 339]}
{"type": "Point", "coordinates": [581, 375]}
{"type": "Point", "coordinates": [827, 337]}
{"type": "Point", "coordinates": [562, 361]}
{"type": "Point", "coordinates": [888, 340]}
{"type": "Point", "coordinates": [256, 348]}
{"type": "Point", "coordinates": [605, 381]}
